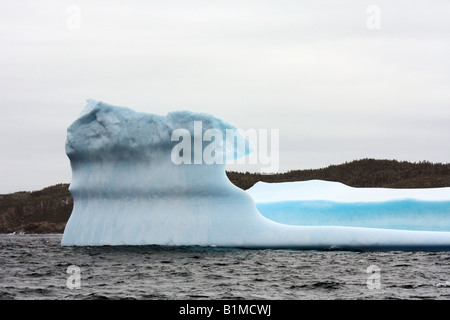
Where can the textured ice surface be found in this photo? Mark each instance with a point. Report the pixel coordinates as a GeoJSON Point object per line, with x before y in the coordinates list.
{"type": "Point", "coordinates": [335, 204]}
{"type": "Point", "coordinates": [127, 191]}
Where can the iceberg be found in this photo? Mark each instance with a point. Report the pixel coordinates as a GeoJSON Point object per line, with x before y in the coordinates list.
{"type": "Point", "coordinates": [139, 179]}
{"type": "Point", "coordinates": [330, 203]}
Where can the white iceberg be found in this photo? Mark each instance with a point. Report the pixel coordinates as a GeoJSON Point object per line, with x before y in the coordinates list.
{"type": "Point", "coordinates": [127, 190]}
{"type": "Point", "coordinates": [327, 203]}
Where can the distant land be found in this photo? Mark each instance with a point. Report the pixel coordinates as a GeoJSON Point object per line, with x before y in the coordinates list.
{"type": "Point", "coordinates": [47, 210]}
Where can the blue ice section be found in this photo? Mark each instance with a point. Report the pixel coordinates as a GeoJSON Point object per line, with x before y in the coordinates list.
{"type": "Point", "coordinates": [128, 191]}
{"type": "Point", "coordinates": [395, 214]}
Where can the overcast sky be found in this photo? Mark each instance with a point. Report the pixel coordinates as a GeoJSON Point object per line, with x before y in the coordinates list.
{"type": "Point", "coordinates": [341, 80]}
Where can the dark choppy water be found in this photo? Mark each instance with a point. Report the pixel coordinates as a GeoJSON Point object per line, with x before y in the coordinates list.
{"type": "Point", "coordinates": [35, 267]}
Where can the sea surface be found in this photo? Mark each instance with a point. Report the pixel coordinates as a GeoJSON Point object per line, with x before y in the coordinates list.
{"type": "Point", "coordinates": [37, 267]}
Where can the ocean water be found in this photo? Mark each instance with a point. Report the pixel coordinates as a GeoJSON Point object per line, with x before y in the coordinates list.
{"type": "Point", "coordinates": [37, 267]}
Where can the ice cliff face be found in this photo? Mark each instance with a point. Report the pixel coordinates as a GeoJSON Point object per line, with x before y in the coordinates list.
{"type": "Point", "coordinates": [135, 181]}
{"type": "Point", "coordinates": [127, 189]}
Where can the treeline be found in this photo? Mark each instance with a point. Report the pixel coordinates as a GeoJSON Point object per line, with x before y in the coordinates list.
{"type": "Point", "coordinates": [43, 211]}
{"type": "Point", "coordinates": [361, 173]}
